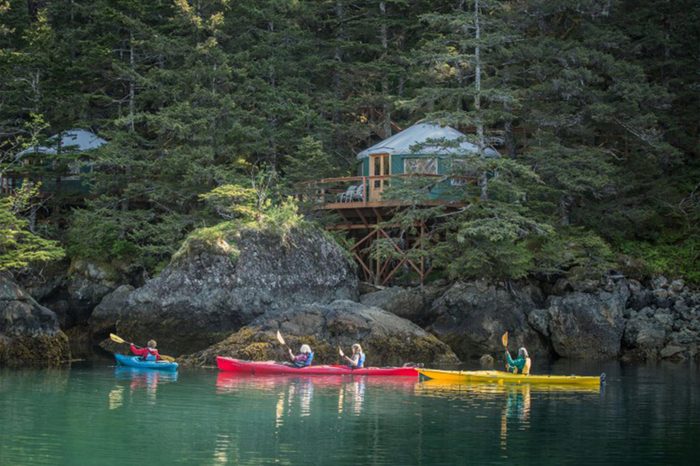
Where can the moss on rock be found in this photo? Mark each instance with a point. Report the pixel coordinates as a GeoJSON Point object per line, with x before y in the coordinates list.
{"type": "Point", "coordinates": [41, 350]}
{"type": "Point", "coordinates": [386, 339]}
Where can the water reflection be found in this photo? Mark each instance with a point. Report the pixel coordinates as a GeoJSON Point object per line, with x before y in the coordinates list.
{"type": "Point", "coordinates": [515, 399]}
{"type": "Point", "coordinates": [296, 393]}
{"type": "Point", "coordinates": [352, 393]}
{"type": "Point", "coordinates": [139, 379]}
{"type": "Point", "coordinates": [650, 414]}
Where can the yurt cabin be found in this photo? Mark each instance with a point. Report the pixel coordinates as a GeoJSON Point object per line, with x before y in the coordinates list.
{"type": "Point", "coordinates": [58, 164]}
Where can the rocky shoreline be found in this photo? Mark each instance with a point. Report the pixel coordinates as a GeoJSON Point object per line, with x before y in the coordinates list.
{"type": "Point", "coordinates": [210, 301]}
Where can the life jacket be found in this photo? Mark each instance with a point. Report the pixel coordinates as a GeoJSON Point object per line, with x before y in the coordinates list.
{"type": "Point", "coordinates": [361, 361]}
{"type": "Point", "coordinates": [307, 362]}
{"type": "Point", "coordinates": [152, 355]}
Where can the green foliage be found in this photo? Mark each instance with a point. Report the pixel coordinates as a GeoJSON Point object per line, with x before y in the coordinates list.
{"type": "Point", "coordinates": [219, 238]}
{"type": "Point", "coordinates": [19, 247]}
{"type": "Point", "coordinates": [670, 258]}
{"type": "Point", "coordinates": [133, 237]}
{"type": "Point", "coordinates": [310, 161]}
{"type": "Point", "coordinates": [212, 112]}
{"type": "Point", "coordinates": [277, 219]}
{"type": "Point", "coordinates": [489, 240]}
{"type": "Point", "coordinates": [235, 201]}
{"type": "Point", "coordinates": [573, 252]}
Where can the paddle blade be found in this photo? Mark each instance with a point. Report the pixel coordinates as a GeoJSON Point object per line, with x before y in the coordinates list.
{"type": "Point", "coordinates": [116, 339]}
{"type": "Point", "coordinates": [165, 357]}
{"type": "Point", "coordinates": [340, 352]}
{"type": "Point", "coordinates": [504, 339]}
{"type": "Point", "coordinates": [280, 339]}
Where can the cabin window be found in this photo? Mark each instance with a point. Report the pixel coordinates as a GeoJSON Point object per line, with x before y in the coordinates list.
{"type": "Point", "coordinates": [422, 166]}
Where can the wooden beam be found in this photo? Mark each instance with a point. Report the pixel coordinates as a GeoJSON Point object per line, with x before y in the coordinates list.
{"type": "Point", "coordinates": [368, 272]}
{"type": "Point", "coordinates": [359, 213]}
{"type": "Point", "coordinates": [356, 245]}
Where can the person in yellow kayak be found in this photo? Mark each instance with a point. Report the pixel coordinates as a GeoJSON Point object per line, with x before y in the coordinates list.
{"type": "Point", "coordinates": [520, 365]}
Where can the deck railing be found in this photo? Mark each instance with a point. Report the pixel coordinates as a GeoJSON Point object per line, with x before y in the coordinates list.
{"type": "Point", "coordinates": [355, 190]}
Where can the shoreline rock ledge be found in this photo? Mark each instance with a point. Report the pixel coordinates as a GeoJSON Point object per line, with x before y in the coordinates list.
{"type": "Point", "coordinates": [387, 340]}
{"type": "Point", "coordinates": [29, 332]}
{"type": "Point", "coordinates": [211, 290]}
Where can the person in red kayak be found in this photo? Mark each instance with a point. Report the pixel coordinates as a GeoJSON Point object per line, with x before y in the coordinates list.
{"type": "Point", "coordinates": [149, 353]}
{"type": "Point", "coordinates": [358, 357]}
{"type": "Point", "coordinates": [304, 357]}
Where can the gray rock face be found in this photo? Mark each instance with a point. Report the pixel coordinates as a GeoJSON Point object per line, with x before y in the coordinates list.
{"type": "Point", "coordinates": [643, 337]}
{"type": "Point", "coordinates": [588, 325]}
{"type": "Point", "coordinates": [203, 296]}
{"type": "Point", "coordinates": [471, 317]}
{"type": "Point", "coordinates": [410, 303]}
{"type": "Point", "coordinates": [87, 284]}
{"type": "Point", "coordinates": [385, 338]}
{"type": "Point", "coordinates": [667, 327]}
{"type": "Point", "coordinates": [72, 290]}
{"type": "Point", "coordinates": [29, 333]}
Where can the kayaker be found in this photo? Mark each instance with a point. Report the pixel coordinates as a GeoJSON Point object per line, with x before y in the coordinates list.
{"type": "Point", "coordinates": [520, 365]}
{"type": "Point", "coordinates": [149, 353]}
{"type": "Point", "coordinates": [304, 357]}
{"type": "Point", "coordinates": [358, 357]}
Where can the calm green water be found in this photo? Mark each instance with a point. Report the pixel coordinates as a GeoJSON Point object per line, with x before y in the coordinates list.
{"type": "Point", "coordinates": [99, 414]}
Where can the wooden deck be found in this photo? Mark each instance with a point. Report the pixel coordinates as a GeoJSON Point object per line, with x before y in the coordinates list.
{"type": "Point", "coordinates": [366, 218]}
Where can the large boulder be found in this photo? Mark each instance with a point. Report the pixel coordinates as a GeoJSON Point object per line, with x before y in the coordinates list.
{"type": "Point", "coordinates": [410, 303]}
{"type": "Point", "coordinates": [587, 325]}
{"type": "Point", "coordinates": [471, 317]}
{"type": "Point", "coordinates": [211, 290]}
{"type": "Point", "coordinates": [29, 333]}
{"type": "Point", "coordinates": [385, 338]}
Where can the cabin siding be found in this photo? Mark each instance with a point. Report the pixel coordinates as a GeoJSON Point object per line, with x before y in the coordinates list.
{"type": "Point", "coordinates": [397, 163]}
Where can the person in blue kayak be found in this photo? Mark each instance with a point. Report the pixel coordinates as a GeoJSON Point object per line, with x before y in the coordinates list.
{"type": "Point", "coordinates": [357, 359]}
{"type": "Point", "coordinates": [304, 358]}
{"type": "Point", "coordinates": [149, 353]}
{"type": "Point", "coordinates": [520, 365]}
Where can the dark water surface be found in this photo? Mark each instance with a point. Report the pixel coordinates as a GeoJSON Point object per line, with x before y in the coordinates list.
{"type": "Point", "coordinates": [99, 414]}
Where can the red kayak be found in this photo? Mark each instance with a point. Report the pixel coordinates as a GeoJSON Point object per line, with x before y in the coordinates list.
{"type": "Point", "coordinates": [272, 367]}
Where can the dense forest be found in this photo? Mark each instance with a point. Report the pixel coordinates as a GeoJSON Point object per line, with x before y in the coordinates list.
{"type": "Point", "coordinates": [207, 103]}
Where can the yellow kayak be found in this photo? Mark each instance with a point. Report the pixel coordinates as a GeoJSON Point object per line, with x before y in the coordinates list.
{"type": "Point", "coordinates": [507, 377]}
{"type": "Point", "coordinates": [440, 387]}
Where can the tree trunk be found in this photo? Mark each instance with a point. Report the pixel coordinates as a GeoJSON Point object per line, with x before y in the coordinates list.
{"type": "Point", "coordinates": [508, 134]}
{"type": "Point", "coordinates": [338, 57]}
{"type": "Point", "coordinates": [132, 85]}
{"type": "Point", "coordinates": [480, 140]}
{"type": "Point", "coordinates": [565, 210]}
{"type": "Point", "coordinates": [384, 35]}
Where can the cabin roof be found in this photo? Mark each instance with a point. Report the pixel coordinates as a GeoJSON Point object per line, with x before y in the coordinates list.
{"type": "Point", "coordinates": [425, 138]}
{"type": "Point", "coordinates": [76, 139]}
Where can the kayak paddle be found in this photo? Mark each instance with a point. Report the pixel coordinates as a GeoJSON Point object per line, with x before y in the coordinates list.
{"type": "Point", "coordinates": [118, 339]}
{"type": "Point", "coordinates": [504, 340]}
{"type": "Point", "coordinates": [281, 340]}
{"type": "Point", "coordinates": [340, 351]}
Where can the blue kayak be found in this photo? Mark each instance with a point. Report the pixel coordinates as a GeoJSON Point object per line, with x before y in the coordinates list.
{"type": "Point", "coordinates": [136, 361]}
